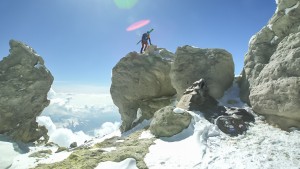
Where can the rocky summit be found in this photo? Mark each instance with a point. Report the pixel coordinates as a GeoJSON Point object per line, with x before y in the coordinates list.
{"type": "Point", "coordinates": [271, 75]}
{"type": "Point", "coordinates": [24, 84]}
{"type": "Point", "coordinates": [145, 83]}
{"type": "Point", "coordinates": [141, 82]}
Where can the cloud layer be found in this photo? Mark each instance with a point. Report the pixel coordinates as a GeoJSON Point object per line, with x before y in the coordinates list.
{"type": "Point", "coordinates": [76, 117]}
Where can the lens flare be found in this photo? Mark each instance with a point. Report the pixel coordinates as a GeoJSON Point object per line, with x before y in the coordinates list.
{"type": "Point", "coordinates": [137, 25]}
{"type": "Point", "coordinates": [125, 4]}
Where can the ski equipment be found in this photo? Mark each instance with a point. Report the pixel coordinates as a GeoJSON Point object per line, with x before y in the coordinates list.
{"type": "Point", "coordinates": [144, 35]}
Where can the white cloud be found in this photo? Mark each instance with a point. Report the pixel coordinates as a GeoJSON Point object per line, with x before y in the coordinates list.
{"type": "Point", "coordinates": [69, 87]}
{"type": "Point", "coordinates": [80, 111]}
{"type": "Point", "coordinates": [61, 136]}
{"type": "Point", "coordinates": [106, 128]}
{"type": "Point", "coordinates": [71, 116]}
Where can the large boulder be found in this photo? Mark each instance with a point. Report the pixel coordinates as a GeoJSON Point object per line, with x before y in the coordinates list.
{"type": "Point", "coordinates": [192, 64]}
{"type": "Point", "coordinates": [271, 75]}
{"type": "Point", "coordinates": [167, 123]}
{"type": "Point", "coordinates": [141, 85]}
{"type": "Point", "coordinates": [24, 84]}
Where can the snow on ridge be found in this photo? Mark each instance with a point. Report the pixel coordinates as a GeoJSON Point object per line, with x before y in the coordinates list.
{"type": "Point", "coordinates": [178, 110]}
{"type": "Point", "coordinates": [274, 39]}
{"type": "Point", "coordinates": [251, 40]}
{"type": "Point", "coordinates": [287, 10]}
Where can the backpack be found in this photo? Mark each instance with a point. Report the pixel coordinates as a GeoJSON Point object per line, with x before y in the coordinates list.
{"type": "Point", "coordinates": [145, 37]}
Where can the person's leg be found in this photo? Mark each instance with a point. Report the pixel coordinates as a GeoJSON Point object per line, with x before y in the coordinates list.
{"type": "Point", "coordinates": [142, 48]}
{"type": "Point", "coordinates": [146, 45]}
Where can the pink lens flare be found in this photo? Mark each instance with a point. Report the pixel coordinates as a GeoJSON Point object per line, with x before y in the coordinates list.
{"type": "Point", "coordinates": [138, 24]}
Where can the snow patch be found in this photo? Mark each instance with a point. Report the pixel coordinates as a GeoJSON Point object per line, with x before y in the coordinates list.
{"type": "Point", "coordinates": [94, 141]}
{"type": "Point", "coordinates": [178, 110]}
{"type": "Point", "coordinates": [129, 163]}
{"type": "Point", "coordinates": [25, 161]}
{"type": "Point", "coordinates": [288, 10]}
{"type": "Point", "coordinates": [146, 135]}
{"type": "Point", "coordinates": [270, 26]}
{"type": "Point", "coordinates": [231, 97]}
{"type": "Point", "coordinates": [139, 114]}
{"type": "Point", "coordinates": [38, 65]}
{"type": "Point", "coordinates": [251, 40]}
{"type": "Point", "coordinates": [7, 154]}
{"type": "Point", "coordinates": [140, 126]}
{"type": "Point", "coordinates": [184, 153]}
{"type": "Point", "coordinates": [109, 149]}
{"type": "Point", "coordinates": [274, 39]}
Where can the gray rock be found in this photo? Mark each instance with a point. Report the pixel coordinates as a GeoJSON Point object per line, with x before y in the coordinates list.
{"type": "Point", "coordinates": [73, 145]}
{"type": "Point", "coordinates": [271, 75]}
{"type": "Point", "coordinates": [24, 84]}
{"type": "Point", "coordinates": [192, 64]}
{"type": "Point", "coordinates": [196, 98]}
{"type": "Point", "coordinates": [138, 81]}
{"type": "Point", "coordinates": [166, 123]}
{"type": "Point", "coordinates": [231, 126]}
{"type": "Point", "coordinates": [284, 4]}
{"type": "Point", "coordinates": [232, 121]}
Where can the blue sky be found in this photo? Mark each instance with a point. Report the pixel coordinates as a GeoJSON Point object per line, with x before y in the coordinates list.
{"type": "Point", "coordinates": [81, 40]}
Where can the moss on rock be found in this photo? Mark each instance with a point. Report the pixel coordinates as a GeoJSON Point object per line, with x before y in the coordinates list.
{"type": "Point", "coordinates": [41, 154]}
{"type": "Point", "coordinates": [90, 157]}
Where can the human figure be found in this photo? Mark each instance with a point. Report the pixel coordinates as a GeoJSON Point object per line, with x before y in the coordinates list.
{"type": "Point", "coordinates": [145, 38]}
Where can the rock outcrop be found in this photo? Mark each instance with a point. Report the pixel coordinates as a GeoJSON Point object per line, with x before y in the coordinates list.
{"type": "Point", "coordinates": [197, 98]}
{"type": "Point", "coordinates": [141, 85]}
{"type": "Point", "coordinates": [232, 121]}
{"type": "Point", "coordinates": [271, 75]}
{"type": "Point", "coordinates": [144, 83]}
{"type": "Point", "coordinates": [167, 123]}
{"type": "Point", "coordinates": [24, 84]}
{"type": "Point", "coordinates": [191, 64]}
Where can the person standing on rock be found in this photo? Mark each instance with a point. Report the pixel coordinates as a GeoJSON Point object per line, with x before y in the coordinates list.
{"type": "Point", "coordinates": [145, 38]}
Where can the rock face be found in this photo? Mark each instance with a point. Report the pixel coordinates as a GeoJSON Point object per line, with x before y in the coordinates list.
{"type": "Point", "coordinates": [24, 84]}
{"type": "Point", "coordinates": [196, 97]}
{"type": "Point", "coordinates": [232, 121]}
{"type": "Point", "coordinates": [192, 64]}
{"type": "Point", "coordinates": [271, 75]}
{"type": "Point", "coordinates": [166, 123]}
{"type": "Point", "coordinates": [141, 82]}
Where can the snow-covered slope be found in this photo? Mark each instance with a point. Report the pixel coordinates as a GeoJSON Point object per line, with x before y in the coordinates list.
{"type": "Point", "coordinates": [262, 146]}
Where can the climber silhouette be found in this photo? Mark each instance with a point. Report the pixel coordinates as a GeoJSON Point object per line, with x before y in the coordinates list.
{"type": "Point", "coordinates": [145, 38]}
